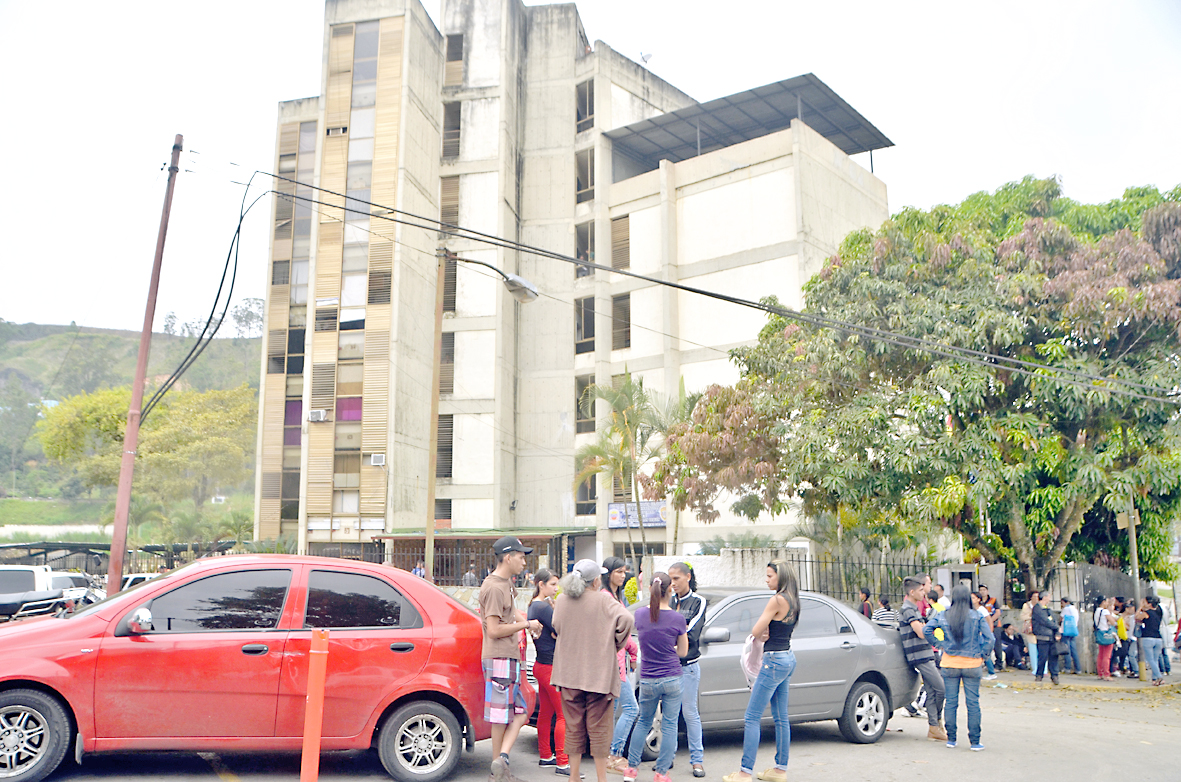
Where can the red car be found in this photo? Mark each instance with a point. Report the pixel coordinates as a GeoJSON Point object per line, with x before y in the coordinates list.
{"type": "Point", "coordinates": [214, 657]}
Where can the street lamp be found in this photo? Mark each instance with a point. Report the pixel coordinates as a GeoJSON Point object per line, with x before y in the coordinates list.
{"type": "Point", "coordinates": [524, 292]}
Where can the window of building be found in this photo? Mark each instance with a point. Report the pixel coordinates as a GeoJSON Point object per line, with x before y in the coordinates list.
{"type": "Point", "coordinates": [365, 47]}
{"type": "Point", "coordinates": [585, 421]}
{"type": "Point", "coordinates": [446, 439]}
{"type": "Point", "coordinates": [346, 471]}
{"type": "Point", "coordinates": [281, 273]}
{"type": "Point", "coordinates": [621, 253]}
{"type": "Point", "coordinates": [452, 128]}
{"type": "Point", "coordinates": [289, 491]}
{"type": "Point", "coordinates": [243, 600]}
{"type": "Point", "coordinates": [584, 163]}
{"type": "Point", "coordinates": [350, 378]}
{"type": "Point", "coordinates": [449, 200]}
{"type": "Point", "coordinates": [584, 238]}
{"type": "Point", "coordinates": [326, 319]}
{"type": "Point", "coordinates": [447, 364]}
{"type": "Point", "coordinates": [292, 421]}
{"type": "Point", "coordinates": [443, 510]}
{"type": "Point", "coordinates": [585, 112]}
{"type": "Point", "coordinates": [584, 325]}
{"type": "Point", "coordinates": [351, 345]}
{"type": "Point", "coordinates": [453, 68]}
{"type": "Point", "coordinates": [352, 319]}
{"type": "Point", "coordinates": [345, 501]}
{"type": "Point", "coordinates": [348, 436]}
{"type": "Point", "coordinates": [450, 272]}
{"type": "Point", "coordinates": [295, 351]}
{"type": "Point", "coordinates": [585, 502]}
{"type": "Point", "coordinates": [380, 287]}
{"type": "Point", "coordinates": [294, 386]}
{"type": "Point", "coordinates": [353, 290]}
{"type": "Point", "coordinates": [297, 317]}
{"type": "Point", "coordinates": [355, 258]}
{"type": "Point", "coordinates": [352, 600]}
{"type": "Point", "coordinates": [621, 321]}
{"type": "Point", "coordinates": [299, 283]}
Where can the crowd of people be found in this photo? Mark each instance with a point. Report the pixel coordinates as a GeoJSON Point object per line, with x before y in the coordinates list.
{"type": "Point", "coordinates": [582, 632]}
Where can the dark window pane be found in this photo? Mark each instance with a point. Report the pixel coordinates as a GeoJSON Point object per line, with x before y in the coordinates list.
{"type": "Point", "coordinates": [290, 486]}
{"type": "Point", "coordinates": [291, 436]}
{"type": "Point", "coordinates": [816, 619]}
{"type": "Point", "coordinates": [248, 600]}
{"type": "Point", "coordinates": [289, 509]}
{"type": "Point", "coordinates": [349, 600]}
{"type": "Point", "coordinates": [295, 365]}
{"type": "Point", "coordinates": [295, 338]}
{"type": "Point", "coordinates": [293, 413]}
{"type": "Point", "coordinates": [740, 617]}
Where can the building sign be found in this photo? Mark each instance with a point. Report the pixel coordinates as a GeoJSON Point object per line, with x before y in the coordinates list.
{"type": "Point", "coordinates": [618, 517]}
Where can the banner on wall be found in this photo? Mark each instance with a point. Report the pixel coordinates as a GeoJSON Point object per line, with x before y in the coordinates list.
{"type": "Point", "coordinates": [621, 515]}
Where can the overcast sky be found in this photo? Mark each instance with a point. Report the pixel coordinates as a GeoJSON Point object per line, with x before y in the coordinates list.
{"type": "Point", "coordinates": [972, 97]}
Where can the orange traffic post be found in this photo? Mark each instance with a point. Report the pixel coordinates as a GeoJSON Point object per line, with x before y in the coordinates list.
{"type": "Point", "coordinates": [313, 715]}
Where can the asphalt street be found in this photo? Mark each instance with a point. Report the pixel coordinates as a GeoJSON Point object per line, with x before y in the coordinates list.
{"type": "Point", "coordinates": [1028, 734]}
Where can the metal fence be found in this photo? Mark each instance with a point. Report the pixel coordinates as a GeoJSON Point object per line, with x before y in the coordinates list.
{"type": "Point", "coordinates": [843, 577]}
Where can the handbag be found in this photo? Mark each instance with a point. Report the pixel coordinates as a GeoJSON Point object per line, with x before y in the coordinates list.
{"type": "Point", "coordinates": [752, 659]}
{"type": "Point", "coordinates": [1105, 637]}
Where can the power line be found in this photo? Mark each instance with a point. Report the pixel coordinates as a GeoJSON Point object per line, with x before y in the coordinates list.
{"type": "Point", "coordinates": [1085, 380]}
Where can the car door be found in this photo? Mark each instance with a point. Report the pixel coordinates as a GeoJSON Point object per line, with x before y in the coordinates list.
{"type": "Point", "coordinates": [826, 659]}
{"type": "Point", "coordinates": [723, 694]}
{"type": "Point", "coordinates": [209, 667]}
{"type": "Point", "coordinates": [378, 640]}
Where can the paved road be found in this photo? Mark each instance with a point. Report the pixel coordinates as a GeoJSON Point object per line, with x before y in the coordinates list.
{"type": "Point", "coordinates": [1029, 734]}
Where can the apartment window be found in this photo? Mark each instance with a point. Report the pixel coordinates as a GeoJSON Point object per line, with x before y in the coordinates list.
{"type": "Point", "coordinates": [584, 239]}
{"type": "Point", "coordinates": [281, 273]}
{"type": "Point", "coordinates": [352, 319]}
{"type": "Point", "coordinates": [295, 351]}
{"type": "Point", "coordinates": [326, 319]}
{"type": "Point", "coordinates": [453, 68]}
{"type": "Point", "coordinates": [451, 130]}
{"type": "Point", "coordinates": [299, 282]}
{"type": "Point", "coordinates": [584, 163]}
{"type": "Point", "coordinates": [289, 489]}
{"type": "Point", "coordinates": [445, 441]}
{"type": "Point", "coordinates": [276, 350]}
{"type": "Point", "coordinates": [621, 251]}
{"type": "Point", "coordinates": [621, 321]}
{"type": "Point", "coordinates": [584, 421]}
{"type": "Point", "coordinates": [365, 47]}
{"type": "Point", "coordinates": [347, 501]}
{"type": "Point", "coordinates": [348, 436]}
{"type": "Point", "coordinates": [450, 269]}
{"type": "Point", "coordinates": [351, 345]}
{"type": "Point", "coordinates": [346, 471]}
{"type": "Point", "coordinates": [449, 200]}
{"type": "Point", "coordinates": [585, 113]}
{"type": "Point", "coordinates": [292, 423]}
{"type": "Point", "coordinates": [380, 284]}
{"type": "Point", "coordinates": [443, 509]}
{"type": "Point", "coordinates": [297, 317]}
{"type": "Point", "coordinates": [584, 503]}
{"type": "Point", "coordinates": [584, 325]}
{"type": "Point", "coordinates": [447, 364]}
{"type": "Point", "coordinates": [350, 377]}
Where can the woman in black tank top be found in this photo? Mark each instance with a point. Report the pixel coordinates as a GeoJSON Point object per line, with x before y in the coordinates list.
{"type": "Point", "coordinates": [774, 627]}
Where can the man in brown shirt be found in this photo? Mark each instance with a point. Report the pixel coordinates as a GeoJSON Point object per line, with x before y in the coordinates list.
{"type": "Point", "coordinates": [591, 627]}
{"type": "Point", "coordinates": [504, 703]}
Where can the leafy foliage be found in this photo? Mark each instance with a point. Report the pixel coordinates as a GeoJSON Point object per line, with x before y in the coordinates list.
{"type": "Point", "coordinates": [896, 435]}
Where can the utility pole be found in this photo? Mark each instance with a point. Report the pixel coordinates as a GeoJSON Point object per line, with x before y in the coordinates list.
{"type": "Point", "coordinates": [131, 437]}
{"type": "Point", "coordinates": [433, 445]}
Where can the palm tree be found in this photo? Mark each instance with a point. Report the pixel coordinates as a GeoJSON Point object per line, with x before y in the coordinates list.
{"type": "Point", "coordinates": [239, 526]}
{"type": "Point", "coordinates": [667, 413]}
{"type": "Point", "coordinates": [608, 458]}
{"type": "Point", "coordinates": [189, 527]}
{"type": "Point", "coordinates": [140, 511]}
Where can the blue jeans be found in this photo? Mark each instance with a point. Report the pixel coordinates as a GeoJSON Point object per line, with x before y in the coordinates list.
{"type": "Point", "coordinates": [626, 710]}
{"type": "Point", "coordinates": [690, 683]}
{"type": "Point", "coordinates": [771, 687]}
{"type": "Point", "coordinates": [1071, 642]}
{"type": "Point", "coordinates": [971, 680]}
{"type": "Point", "coordinates": [667, 693]}
{"type": "Point", "coordinates": [1152, 650]}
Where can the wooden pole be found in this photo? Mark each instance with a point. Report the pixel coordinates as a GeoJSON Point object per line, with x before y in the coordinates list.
{"type": "Point", "coordinates": [131, 436]}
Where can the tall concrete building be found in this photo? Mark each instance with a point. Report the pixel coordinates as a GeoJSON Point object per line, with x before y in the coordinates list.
{"type": "Point", "coordinates": [508, 121]}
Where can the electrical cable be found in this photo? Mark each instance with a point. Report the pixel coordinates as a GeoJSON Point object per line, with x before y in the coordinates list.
{"type": "Point", "coordinates": [1083, 380]}
{"type": "Point", "coordinates": [214, 321]}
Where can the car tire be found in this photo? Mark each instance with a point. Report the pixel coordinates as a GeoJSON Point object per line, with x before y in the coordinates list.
{"type": "Point", "coordinates": [420, 742]}
{"type": "Point", "coordinates": [25, 712]}
{"type": "Point", "coordinates": [866, 713]}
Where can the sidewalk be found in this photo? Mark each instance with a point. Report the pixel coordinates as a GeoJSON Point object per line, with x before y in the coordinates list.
{"type": "Point", "coordinates": [1086, 682]}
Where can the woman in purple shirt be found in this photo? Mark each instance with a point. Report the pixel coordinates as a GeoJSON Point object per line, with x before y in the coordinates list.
{"type": "Point", "coordinates": [663, 642]}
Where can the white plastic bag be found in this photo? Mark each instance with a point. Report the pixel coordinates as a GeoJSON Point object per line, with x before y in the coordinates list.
{"type": "Point", "coordinates": [752, 659]}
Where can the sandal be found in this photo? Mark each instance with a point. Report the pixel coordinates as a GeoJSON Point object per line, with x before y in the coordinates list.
{"type": "Point", "coordinates": [736, 776]}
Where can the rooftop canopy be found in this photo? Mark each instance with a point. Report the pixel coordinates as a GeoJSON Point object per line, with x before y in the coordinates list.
{"type": "Point", "coordinates": [746, 115]}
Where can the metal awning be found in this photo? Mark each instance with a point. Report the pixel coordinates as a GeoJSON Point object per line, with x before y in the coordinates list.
{"type": "Point", "coordinates": [747, 115]}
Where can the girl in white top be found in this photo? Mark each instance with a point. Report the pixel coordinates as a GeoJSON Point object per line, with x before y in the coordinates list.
{"type": "Point", "coordinates": [1104, 620]}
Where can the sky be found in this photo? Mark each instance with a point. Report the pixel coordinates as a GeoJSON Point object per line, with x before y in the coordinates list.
{"type": "Point", "coordinates": [973, 95]}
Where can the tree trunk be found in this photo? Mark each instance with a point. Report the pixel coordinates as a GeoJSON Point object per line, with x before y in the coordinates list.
{"type": "Point", "coordinates": [631, 546]}
{"type": "Point", "coordinates": [635, 492]}
{"type": "Point", "coordinates": [1022, 544]}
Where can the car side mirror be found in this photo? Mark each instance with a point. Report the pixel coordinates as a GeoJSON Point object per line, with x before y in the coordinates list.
{"type": "Point", "coordinates": [140, 621]}
{"type": "Point", "coordinates": [715, 635]}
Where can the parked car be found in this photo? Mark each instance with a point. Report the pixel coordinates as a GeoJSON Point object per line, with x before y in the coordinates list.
{"type": "Point", "coordinates": [78, 588]}
{"type": "Point", "coordinates": [847, 668]}
{"type": "Point", "coordinates": [214, 657]}
{"type": "Point", "coordinates": [135, 579]}
{"type": "Point", "coordinates": [28, 590]}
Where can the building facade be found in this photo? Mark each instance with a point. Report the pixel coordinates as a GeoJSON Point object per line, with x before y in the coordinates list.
{"type": "Point", "coordinates": [507, 121]}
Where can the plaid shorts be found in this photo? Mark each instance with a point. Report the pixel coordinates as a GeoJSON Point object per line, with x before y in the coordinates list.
{"type": "Point", "coordinates": [503, 699]}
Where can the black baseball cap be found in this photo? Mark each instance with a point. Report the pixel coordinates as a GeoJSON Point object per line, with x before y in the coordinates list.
{"type": "Point", "coordinates": [509, 543]}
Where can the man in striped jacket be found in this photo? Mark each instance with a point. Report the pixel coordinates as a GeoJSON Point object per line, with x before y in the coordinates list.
{"type": "Point", "coordinates": [691, 606]}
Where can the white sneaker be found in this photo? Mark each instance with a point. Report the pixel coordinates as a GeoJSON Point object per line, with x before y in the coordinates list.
{"type": "Point", "coordinates": [990, 677]}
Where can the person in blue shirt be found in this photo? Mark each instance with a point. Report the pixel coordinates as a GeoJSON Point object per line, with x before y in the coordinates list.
{"type": "Point", "coordinates": [1069, 632]}
{"type": "Point", "coordinates": [966, 640]}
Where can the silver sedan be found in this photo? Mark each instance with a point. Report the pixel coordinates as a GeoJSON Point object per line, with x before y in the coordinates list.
{"type": "Point", "coordinates": [847, 668]}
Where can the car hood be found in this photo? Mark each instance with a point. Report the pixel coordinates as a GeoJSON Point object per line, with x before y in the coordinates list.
{"type": "Point", "coordinates": [37, 629]}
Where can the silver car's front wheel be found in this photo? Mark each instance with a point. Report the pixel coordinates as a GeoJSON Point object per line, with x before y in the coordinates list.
{"type": "Point", "coordinates": [865, 715]}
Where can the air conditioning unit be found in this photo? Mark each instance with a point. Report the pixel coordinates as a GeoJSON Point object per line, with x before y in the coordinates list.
{"type": "Point", "coordinates": [377, 459]}
{"type": "Point", "coordinates": [317, 416]}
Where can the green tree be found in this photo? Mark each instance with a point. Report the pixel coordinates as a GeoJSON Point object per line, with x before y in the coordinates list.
{"type": "Point", "coordinates": [849, 424]}
{"type": "Point", "coordinates": [18, 414]}
{"type": "Point", "coordinates": [190, 445]}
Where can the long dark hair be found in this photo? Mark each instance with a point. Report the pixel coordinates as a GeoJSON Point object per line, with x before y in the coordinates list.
{"type": "Point", "coordinates": [960, 612]}
{"type": "Point", "coordinates": [539, 578]}
{"type": "Point", "coordinates": [660, 584]}
{"type": "Point", "coordinates": [787, 583]}
{"type": "Point", "coordinates": [687, 569]}
{"type": "Point", "coordinates": [611, 564]}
